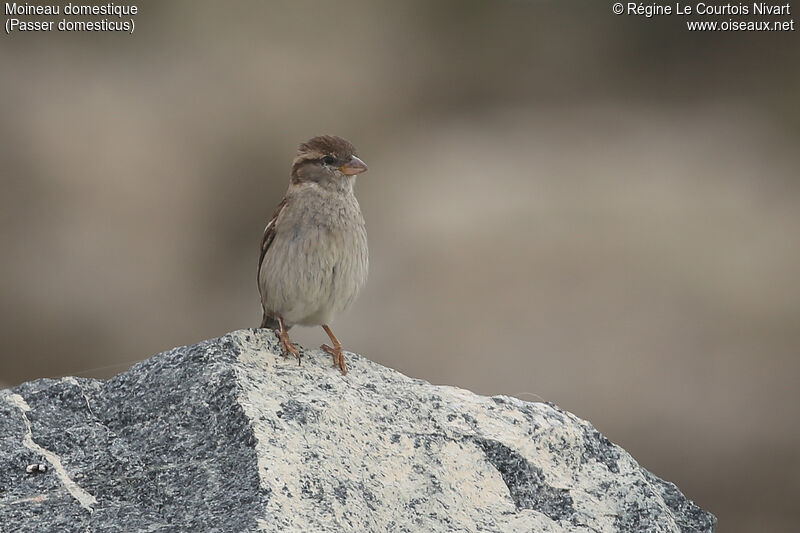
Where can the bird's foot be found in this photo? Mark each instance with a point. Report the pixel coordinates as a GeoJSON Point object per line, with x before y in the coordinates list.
{"type": "Point", "coordinates": [287, 347]}
{"type": "Point", "coordinates": [338, 357]}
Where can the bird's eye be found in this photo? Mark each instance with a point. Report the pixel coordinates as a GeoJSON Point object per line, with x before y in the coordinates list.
{"type": "Point", "coordinates": [329, 160]}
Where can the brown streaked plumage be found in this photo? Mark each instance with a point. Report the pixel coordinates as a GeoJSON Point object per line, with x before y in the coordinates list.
{"type": "Point", "coordinates": [314, 259]}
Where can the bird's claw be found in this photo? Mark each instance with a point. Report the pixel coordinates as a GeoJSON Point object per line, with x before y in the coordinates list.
{"type": "Point", "coordinates": [338, 357]}
{"type": "Point", "coordinates": [287, 347]}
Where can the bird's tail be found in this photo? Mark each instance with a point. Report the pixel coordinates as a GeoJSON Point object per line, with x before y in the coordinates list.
{"type": "Point", "coordinates": [269, 322]}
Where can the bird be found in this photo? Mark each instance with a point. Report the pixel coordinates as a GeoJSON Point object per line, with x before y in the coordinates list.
{"type": "Point", "coordinates": [314, 257]}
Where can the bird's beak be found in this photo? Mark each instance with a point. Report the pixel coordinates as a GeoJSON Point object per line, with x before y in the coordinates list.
{"type": "Point", "coordinates": [354, 166]}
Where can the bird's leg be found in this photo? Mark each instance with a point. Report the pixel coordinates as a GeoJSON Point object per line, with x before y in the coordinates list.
{"type": "Point", "coordinates": [286, 344]}
{"type": "Point", "coordinates": [336, 351]}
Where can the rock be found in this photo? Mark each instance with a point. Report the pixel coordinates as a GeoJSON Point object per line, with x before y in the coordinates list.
{"type": "Point", "coordinates": [225, 435]}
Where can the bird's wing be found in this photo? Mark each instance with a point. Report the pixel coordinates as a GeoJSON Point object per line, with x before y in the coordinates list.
{"type": "Point", "coordinates": [266, 241]}
{"type": "Point", "coordinates": [269, 236]}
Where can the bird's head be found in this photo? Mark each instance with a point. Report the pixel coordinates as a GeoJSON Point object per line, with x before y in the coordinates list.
{"type": "Point", "coordinates": [327, 160]}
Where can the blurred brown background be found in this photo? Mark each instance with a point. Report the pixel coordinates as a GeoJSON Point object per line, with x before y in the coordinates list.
{"type": "Point", "coordinates": [563, 204]}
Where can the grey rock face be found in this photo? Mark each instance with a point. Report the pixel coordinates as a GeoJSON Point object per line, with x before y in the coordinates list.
{"type": "Point", "coordinates": [225, 435]}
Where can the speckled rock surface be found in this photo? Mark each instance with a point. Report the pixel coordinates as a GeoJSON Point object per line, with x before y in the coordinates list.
{"type": "Point", "coordinates": [227, 436]}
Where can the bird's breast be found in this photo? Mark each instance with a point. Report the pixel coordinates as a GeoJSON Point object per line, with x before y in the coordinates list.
{"type": "Point", "coordinates": [318, 261]}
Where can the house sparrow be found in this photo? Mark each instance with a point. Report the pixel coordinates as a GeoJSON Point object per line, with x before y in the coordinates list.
{"type": "Point", "coordinates": [314, 251]}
